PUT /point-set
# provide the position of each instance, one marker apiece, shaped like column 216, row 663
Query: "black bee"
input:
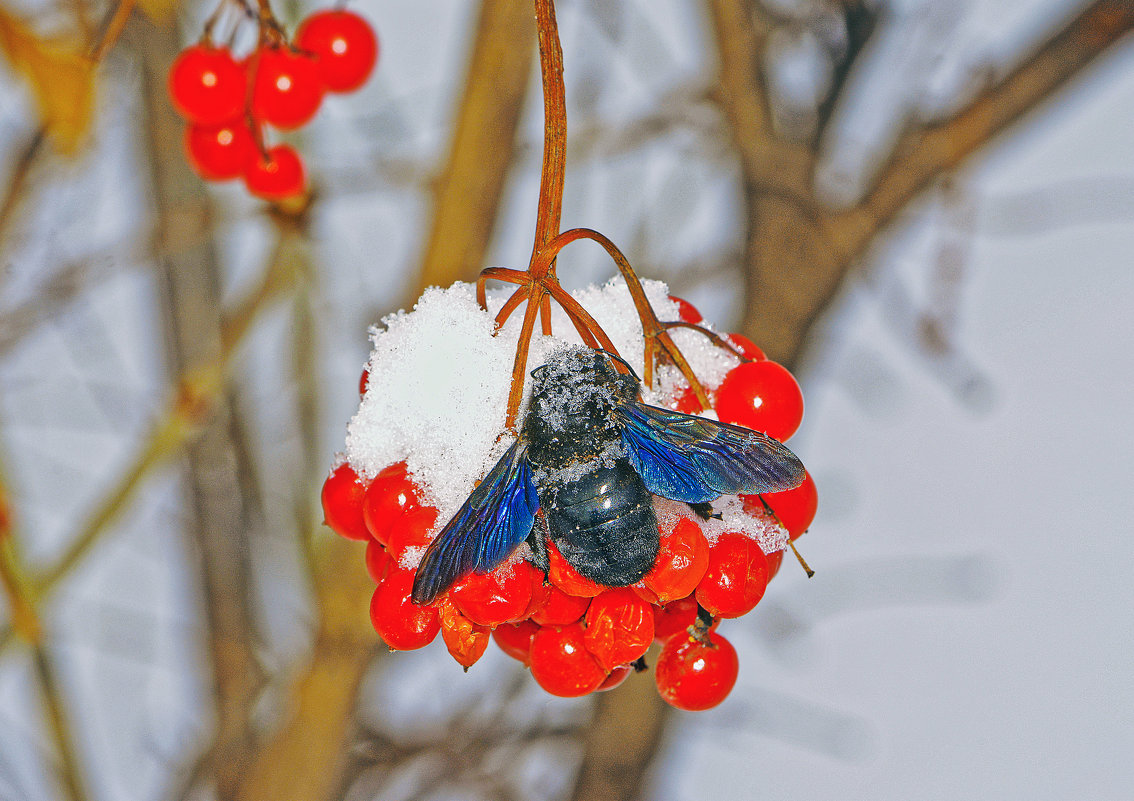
column 588, row 459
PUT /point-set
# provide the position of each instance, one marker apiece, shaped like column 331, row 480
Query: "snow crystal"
column 769, row 534
column 439, row 380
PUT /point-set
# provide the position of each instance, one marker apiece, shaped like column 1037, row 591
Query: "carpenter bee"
column 588, row 459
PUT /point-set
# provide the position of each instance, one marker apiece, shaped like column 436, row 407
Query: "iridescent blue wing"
column 692, row 459
column 495, row 519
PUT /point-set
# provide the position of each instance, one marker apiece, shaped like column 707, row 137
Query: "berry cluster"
column 228, row 102
column 577, row 636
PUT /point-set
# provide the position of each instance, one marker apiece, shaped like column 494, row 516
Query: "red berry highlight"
column 762, row 396
column 207, row 86
column 562, row 665
column 287, row 89
column 736, row 577
column 344, row 47
column 219, row 152
column 693, row 676
column 402, row 624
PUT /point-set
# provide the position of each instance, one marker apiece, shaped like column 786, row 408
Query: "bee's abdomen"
column 604, row 524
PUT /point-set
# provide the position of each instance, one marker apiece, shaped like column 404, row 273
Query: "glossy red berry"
column 502, row 596
column 736, row 577
column 515, row 639
column 465, row 640
column 775, row 559
column 681, row 562
column 567, row 578
column 342, row 496
column 206, row 85
column 687, row 311
column 794, row 508
column 391, row 494
column 619, row 627
column 344, row 46
column 747, row 347
column 287, row 89
column 363, row 380
column 410, row 535
column 219, row 152
column 553, row 607
column 763, row 396
column 402, row 624
column 276, row 175
column 377, row 560
column 562, row 665
column 693, row 676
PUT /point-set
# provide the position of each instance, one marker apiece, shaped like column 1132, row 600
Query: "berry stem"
column 550, row 208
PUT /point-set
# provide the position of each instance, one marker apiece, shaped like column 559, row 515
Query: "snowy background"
column 968, row 633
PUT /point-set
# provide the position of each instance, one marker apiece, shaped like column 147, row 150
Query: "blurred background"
column 925, row 209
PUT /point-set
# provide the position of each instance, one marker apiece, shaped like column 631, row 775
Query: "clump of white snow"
column 768, row 532
column 439, row 380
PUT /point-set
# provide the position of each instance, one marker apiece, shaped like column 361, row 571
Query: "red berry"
column 616, row 677
column 276, row 175
column 391, row 494
column 502, row 596
column 402, row 624
column 681, row 562
column 561, row 664
column 686, row 310
column 736, row 577
column 567, row 578
column 377, row 560
column 794, row 508
column 763, row 396
column 465, row 640
column 342, row 503
column 687, row 401
column 287, row 89
column 206, row 85
column 219, row 152
column 344, row 46
column 674, row 618
column 413, row 530
column 553, row 607
column 747, row 347
column 694, row 676
column 620, row 627
column 363, row 380
column 775, row 559
column 515, row 639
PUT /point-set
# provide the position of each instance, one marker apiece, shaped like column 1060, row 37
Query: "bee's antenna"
column 619, row 359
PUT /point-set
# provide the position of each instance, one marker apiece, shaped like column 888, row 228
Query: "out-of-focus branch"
column 469, row 190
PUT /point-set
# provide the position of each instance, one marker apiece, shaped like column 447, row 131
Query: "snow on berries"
column 230, row 101
column 432, row 424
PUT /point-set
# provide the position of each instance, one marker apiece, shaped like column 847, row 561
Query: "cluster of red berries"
column 228, row 102
column 577, row 636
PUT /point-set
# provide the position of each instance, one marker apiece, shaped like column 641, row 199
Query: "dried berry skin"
column 693, row 676
column 681, row 564
column 402, row 624
column 562, row 665
column 619, row 627
column 342, row 497
column 465, row 640
column 553, row 607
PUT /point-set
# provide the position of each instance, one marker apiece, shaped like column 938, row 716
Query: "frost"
column 769, row 534
column 439, row 380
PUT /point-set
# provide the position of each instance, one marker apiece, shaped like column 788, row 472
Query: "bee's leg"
column 537, row 541
column 704, row 510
